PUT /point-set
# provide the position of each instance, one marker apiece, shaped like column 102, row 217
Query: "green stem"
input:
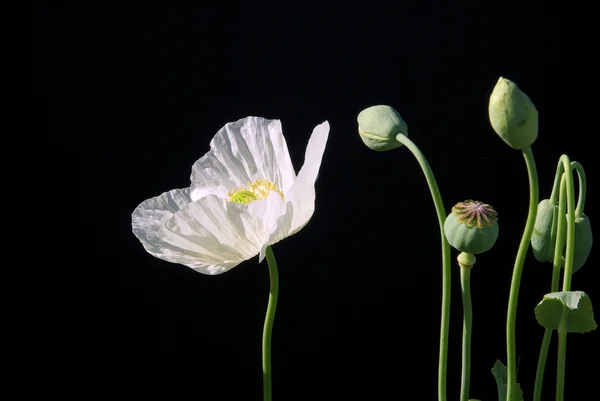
column 561, row 232
column 560, row 365
column 570, row 249
column 511, row 350
column 582, row 188
column 560, row 237
column 541, row 366
column 557, row 182
column 446, row 288
column 465, row 284
column 268, row 327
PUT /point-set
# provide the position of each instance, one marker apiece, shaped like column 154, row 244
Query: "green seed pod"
column 513, row 115
column 543, row 239
column 472, row 227
column 583, row 242
column 378, row 127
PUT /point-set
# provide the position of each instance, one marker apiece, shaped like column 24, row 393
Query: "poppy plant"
column 244, row 197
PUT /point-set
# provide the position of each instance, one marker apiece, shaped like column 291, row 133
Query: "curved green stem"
column 560, row 237
column 465, row 284
column 570, row 249
column 511, row 350
column 446, row 288
column 582, row 188
column 561, row 232
column 268, row 327
column 557, row 182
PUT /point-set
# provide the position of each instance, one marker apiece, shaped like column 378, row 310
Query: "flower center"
column 473, row 213
column 256, row 190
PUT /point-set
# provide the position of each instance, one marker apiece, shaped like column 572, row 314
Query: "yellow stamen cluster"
column 256, row 190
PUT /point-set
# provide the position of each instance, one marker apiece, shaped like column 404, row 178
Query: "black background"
column 129, row 95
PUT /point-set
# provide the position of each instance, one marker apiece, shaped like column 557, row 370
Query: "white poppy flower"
column 244, row 196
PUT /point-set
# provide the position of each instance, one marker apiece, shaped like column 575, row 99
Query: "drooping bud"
column 543, row 238
column 513, row 115
column 583, row 242
column 472, row 227
column 378, row 127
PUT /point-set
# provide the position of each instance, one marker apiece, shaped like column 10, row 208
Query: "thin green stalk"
column 557, row 263
column 539, row 373
column 561, row 233
column 557, row 181
column 268, row 327
column 511, row 349
column 582, row 188
column 570, row 248
column 560, row 366
column 441, row 213
column 465, row 285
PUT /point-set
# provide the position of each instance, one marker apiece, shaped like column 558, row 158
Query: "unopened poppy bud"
column 543, row 238
column 378, row 127
column 513, row 115
column 583, row 242
column 472, row 227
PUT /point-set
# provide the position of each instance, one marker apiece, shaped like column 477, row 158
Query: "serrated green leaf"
column 499, row 372
column 570, row 311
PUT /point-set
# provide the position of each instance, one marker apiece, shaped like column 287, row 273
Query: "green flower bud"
column 513, row 115
column 543, row 239
column 583, row 242
column 378, row 127
column 472, row 227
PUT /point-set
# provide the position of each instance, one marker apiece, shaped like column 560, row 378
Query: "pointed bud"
column 513, row 115
column 378, row 127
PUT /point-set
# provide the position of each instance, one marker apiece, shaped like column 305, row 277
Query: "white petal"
column 300, row 199
column 268, row 212
column 211, row 177
column 243, row 151
column 218, row 234
column 282, row 227
column 150, row 216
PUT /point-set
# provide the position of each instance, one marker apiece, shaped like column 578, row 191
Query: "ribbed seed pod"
column 472, row 227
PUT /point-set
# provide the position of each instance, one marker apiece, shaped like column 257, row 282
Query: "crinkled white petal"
column 148, row 218
column 249, row 149
column 267, row 212
column 302, row 193
column 300, row 198
column 219, row 234
column 282, row 227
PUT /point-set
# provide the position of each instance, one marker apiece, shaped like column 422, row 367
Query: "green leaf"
column 499, row 372
column 569, row 311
